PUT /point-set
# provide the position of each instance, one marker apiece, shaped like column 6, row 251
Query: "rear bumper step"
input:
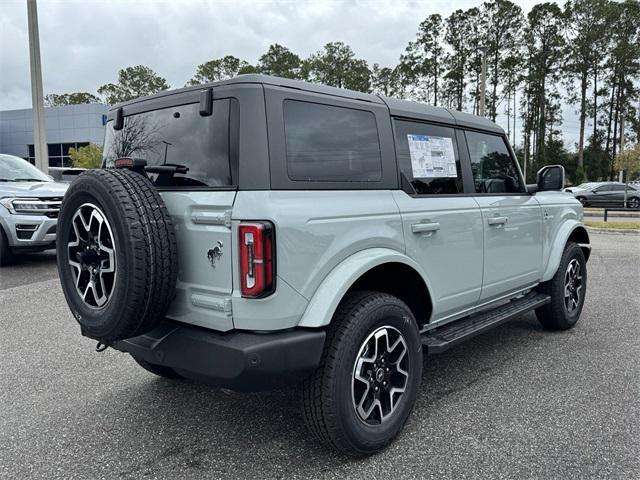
column 243, row 361
column 443, row 338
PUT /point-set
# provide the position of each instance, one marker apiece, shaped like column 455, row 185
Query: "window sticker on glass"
column 432, row 157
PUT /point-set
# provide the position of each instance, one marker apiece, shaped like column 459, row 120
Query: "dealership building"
column 67, row 126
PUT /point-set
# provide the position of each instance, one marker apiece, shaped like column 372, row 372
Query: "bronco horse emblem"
column 215, row 253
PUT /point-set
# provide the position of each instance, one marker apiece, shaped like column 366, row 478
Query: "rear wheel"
column 159, row 370
column 365, row 388
column 567, row 290
column 6, row 256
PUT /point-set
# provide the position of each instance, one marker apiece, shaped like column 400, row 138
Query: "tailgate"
column 202, row 223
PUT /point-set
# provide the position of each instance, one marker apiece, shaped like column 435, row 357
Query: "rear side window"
column 428, row 157
column 494, row 169
column 180, row 135
column 326, row 143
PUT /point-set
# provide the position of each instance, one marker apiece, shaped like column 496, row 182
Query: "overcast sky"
column 84, row 43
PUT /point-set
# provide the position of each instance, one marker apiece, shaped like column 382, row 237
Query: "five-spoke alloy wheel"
column 567, row 290
column 572, row 285
column 92, row 257
column 116, row 254
column 366, row 385
column 380, row 375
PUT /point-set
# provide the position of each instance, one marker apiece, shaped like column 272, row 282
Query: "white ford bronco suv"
column 259, row 231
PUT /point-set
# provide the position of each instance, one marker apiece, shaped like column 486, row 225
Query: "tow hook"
column 101, row 347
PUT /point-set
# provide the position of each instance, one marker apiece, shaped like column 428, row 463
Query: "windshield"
column 16, row 169
column 179, row 135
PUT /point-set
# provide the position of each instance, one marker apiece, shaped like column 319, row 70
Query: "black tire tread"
column 316, row 397
column 552, row 315
column 153, row 252
column 6, row 256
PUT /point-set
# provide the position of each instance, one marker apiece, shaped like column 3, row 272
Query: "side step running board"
column 441, row 339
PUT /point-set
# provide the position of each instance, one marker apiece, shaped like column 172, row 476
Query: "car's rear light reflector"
column 257, row 265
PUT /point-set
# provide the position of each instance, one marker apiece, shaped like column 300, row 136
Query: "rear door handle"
column 425, row 227
column 494, row 221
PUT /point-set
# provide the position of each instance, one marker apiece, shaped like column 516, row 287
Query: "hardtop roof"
column 399, row 108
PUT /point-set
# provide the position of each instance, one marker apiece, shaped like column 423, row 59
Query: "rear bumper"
column 242, row 361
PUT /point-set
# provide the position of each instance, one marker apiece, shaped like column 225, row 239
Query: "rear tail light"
column 257, row 259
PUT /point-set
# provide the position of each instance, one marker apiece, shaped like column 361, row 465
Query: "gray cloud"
column 85, row 43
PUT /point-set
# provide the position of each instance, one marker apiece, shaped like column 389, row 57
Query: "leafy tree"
column 587, row 25
column 384, row 80
column 474, row 60
column 281, row 62
column 422, row 64
column 624, row 70
column 596, row 160
column 220, row 69
column 629, row 162
column 512, row 67
column 541, row 100
column 133, row 82
column 75, row 98
column 502, row 22
column 429, row 41
column 412, row 83
column 336, row 65
column 86, row 157
column 457, row 36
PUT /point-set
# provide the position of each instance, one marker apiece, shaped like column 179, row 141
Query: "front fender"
column 561, row 238
column 325, row 300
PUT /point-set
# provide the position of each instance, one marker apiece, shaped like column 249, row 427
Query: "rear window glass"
column 331, row 144
column 180, row 135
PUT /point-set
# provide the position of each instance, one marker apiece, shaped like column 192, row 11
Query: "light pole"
column 37, row 98
column 483, row 81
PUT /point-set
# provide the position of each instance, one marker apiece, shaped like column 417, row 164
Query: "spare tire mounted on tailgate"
column 117, row 257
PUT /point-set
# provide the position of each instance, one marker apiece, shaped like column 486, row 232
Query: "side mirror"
column 550, row 178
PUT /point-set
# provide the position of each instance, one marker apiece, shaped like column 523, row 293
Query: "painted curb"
column 613, row 231
column 613, row 215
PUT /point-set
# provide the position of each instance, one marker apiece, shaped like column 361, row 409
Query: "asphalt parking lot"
column 517, row 402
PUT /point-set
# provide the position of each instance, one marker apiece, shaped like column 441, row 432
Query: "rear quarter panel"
column 315, row 231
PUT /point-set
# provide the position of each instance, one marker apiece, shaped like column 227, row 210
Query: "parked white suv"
column 261, row 231
column 29, row 206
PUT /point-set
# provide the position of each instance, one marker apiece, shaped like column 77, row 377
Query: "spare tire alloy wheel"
column 116, row 253
column 380, row 375
column 92, row 256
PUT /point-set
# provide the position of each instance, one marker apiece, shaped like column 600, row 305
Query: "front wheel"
column 583, row 201
column 6, row 256
column 567, row 290
column 365, row 388
column 634, row 203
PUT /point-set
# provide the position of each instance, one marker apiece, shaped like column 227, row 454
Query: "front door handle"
column 495, row 221
column 425, row 227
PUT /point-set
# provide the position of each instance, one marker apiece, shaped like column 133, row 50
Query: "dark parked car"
column 606, row 194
